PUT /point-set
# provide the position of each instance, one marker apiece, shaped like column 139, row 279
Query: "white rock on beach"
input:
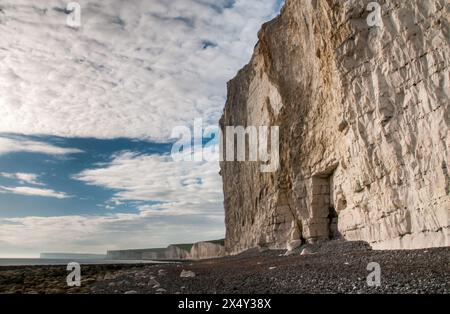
column 161, row 272
column 306, row 251
column 187, row 274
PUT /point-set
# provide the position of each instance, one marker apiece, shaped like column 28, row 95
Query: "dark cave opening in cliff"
column 323, row 205
column 333, row 232
column 333, row 216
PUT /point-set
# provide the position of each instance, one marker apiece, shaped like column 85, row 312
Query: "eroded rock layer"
column 364, row 116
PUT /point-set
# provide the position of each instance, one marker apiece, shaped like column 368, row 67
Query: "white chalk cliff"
column 364, row 115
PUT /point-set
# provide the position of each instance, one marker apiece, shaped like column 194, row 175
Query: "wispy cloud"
column 29, row 178
column 180, row 187
column 10, row 145
column 30, row 191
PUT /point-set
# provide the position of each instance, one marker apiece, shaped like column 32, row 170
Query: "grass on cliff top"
column 188, row 246
column 220, row 241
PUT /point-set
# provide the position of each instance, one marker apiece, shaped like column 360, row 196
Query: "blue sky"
column 57, row 172
column 86, row 117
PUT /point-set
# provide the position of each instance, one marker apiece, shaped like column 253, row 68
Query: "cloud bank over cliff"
column 133, row 69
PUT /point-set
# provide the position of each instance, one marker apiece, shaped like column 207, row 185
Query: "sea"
column 45, row 262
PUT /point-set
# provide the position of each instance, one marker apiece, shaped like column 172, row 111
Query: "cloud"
column 30, row 191
column 29, row 178
column 179, row 187
column 134, row 69
column 10, row 145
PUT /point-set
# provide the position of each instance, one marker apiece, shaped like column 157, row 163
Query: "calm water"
column 43, row 261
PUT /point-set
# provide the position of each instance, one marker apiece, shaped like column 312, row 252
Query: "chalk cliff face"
column 196, row 251
column 172, row 252
column 205, row 250
column 364, row 116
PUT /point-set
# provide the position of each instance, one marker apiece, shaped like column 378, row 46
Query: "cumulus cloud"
column 179, row 187
column 134, row 68
column 30, row 191
column 10, row 145
column 29, row 178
